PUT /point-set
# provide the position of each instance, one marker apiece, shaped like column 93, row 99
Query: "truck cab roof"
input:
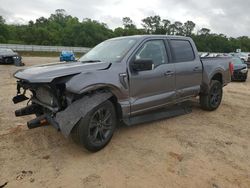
column 153, row 37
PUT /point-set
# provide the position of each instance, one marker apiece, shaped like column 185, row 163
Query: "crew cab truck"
column 120, row 80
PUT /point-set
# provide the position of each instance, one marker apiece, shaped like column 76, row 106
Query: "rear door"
column 188, row 68
column 154, row 88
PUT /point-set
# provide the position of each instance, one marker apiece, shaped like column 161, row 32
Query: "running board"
column 172, row 111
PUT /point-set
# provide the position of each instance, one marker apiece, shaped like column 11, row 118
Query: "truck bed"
column 222, row 68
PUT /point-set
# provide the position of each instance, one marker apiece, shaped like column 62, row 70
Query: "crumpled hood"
column 47, row 72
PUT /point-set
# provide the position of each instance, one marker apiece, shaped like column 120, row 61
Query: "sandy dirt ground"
column 200, row 149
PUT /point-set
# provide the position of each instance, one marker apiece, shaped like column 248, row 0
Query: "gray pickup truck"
column 125, row 79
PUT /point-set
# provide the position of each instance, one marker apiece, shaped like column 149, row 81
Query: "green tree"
column 165, row 27
column 152, row 24
column 129, row 28
column 128, row 23
column 188, row 28
column 2, row 20
column 178, row 28
column 204, row 31
column 63, row 29
column 3, row 31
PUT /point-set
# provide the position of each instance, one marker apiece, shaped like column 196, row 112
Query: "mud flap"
column 68, row 118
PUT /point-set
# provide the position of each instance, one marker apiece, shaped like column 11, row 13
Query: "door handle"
column 169, row 73
column 196, row 69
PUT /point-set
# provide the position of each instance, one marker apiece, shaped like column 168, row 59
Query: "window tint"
column 182, row 50
column 154, row 50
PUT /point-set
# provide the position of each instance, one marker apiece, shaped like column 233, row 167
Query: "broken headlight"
column 44, row 95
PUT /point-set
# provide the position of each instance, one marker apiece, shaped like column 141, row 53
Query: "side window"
column 182, row 50
column 154, row 50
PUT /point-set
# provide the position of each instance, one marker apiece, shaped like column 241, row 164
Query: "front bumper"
column 11, row 59
column 43, row 119
column 62, row 119
column 240, row 75
column 68, row 58
column 44, row 112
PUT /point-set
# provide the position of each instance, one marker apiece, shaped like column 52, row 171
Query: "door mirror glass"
column 142, row 65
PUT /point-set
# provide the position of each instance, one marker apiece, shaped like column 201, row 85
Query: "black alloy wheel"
column 95, row 130
column 215, row 95
column 211, row 101
column 100, row 126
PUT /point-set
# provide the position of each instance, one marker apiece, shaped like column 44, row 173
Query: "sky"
column 230, row 17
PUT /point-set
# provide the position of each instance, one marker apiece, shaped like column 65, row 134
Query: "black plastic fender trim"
column 68, row 118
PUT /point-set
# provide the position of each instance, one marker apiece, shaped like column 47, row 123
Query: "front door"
column 153, row 88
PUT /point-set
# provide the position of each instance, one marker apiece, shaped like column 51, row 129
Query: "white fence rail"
column 39, row 48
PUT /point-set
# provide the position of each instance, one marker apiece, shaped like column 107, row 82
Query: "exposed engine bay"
column 53, row 105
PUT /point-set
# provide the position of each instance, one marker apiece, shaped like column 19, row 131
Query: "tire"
column 212, row 100
column 95, row 130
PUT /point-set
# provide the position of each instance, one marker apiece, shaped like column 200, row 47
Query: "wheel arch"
column 206, row 85
column 217, row 76
column 108, row 88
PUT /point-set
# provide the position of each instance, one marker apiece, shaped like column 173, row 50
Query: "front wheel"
column 212, row 100
column 95, row 130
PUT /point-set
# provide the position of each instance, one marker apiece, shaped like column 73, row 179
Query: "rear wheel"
column 212, row 100
column 95, row 130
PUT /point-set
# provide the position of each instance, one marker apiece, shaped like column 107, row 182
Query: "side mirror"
column 142, row 65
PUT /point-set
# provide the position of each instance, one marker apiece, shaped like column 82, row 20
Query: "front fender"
column 68, row 118
column 91, row 81
column 113, row 89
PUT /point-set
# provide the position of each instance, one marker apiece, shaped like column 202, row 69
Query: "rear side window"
column 182, row 50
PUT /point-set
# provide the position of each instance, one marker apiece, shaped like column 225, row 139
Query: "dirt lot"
column 201, row 149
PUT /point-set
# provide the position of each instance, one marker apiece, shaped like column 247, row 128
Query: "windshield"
column 67, row 52
column 109, row 51
column 6, row 51
column 237, row 61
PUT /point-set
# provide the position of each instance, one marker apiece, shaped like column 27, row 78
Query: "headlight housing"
column 245, row 70
column 44, row 95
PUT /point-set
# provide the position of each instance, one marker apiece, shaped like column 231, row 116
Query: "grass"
column 44, row 54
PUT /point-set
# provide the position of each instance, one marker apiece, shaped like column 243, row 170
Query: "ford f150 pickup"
column 120, row 80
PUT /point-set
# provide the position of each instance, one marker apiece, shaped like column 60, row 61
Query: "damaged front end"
column 45, row 101
column 53, row 105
